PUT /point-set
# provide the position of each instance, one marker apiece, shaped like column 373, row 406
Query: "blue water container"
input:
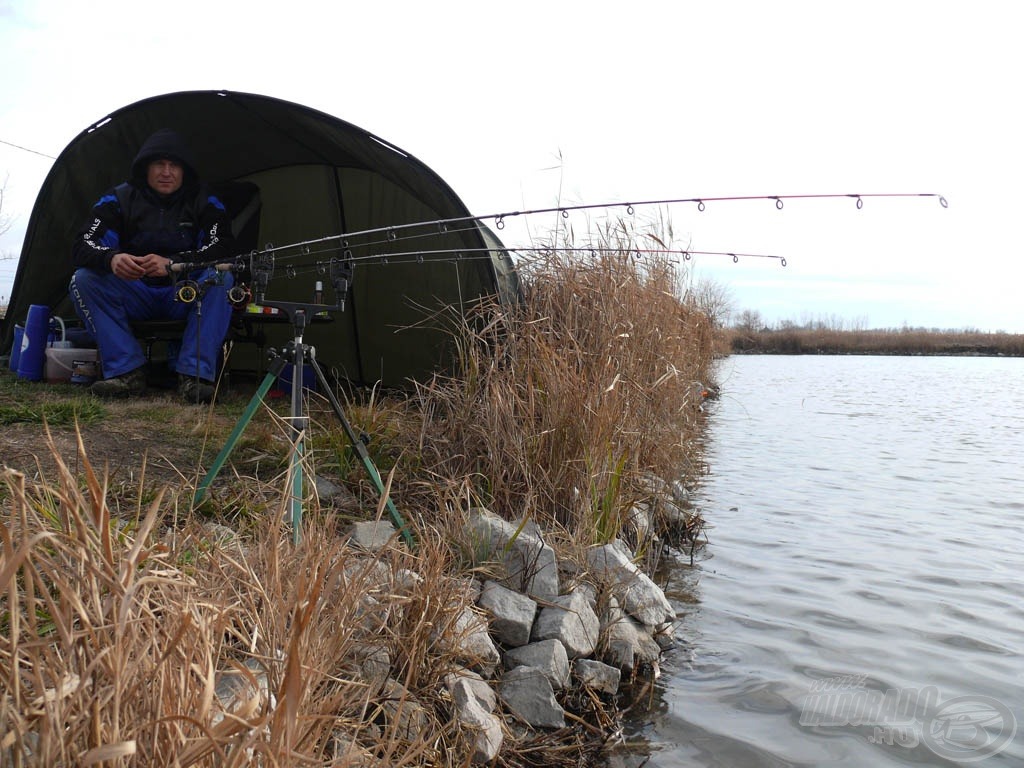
column 33, row 343
column 19, row 334
column 309, row 380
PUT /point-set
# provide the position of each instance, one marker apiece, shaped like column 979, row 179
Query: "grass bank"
column 123, row 609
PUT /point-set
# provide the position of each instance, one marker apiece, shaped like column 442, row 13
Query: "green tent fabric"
column 318, row 177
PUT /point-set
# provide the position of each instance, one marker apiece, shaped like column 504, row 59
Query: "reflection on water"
column 861, row 601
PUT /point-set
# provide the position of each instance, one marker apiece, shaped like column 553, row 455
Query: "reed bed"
column 567, row 406
column 150, row 633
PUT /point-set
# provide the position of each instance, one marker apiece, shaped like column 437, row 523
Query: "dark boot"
column 194, row 390
column 126, row 385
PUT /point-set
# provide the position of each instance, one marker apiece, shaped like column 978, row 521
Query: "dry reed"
column 564, row 407
column 117, row 639
column 121, row 629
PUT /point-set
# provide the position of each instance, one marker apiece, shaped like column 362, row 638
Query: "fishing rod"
column 261, row 264
column 458, row 255
column 442, row 225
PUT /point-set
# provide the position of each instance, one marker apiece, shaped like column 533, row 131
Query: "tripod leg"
column 360, row 448
column 272, row 372
column 299, row 425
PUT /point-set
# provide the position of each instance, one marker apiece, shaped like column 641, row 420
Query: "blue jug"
column 33, row 343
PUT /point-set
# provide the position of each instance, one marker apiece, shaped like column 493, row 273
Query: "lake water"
column 861, row 598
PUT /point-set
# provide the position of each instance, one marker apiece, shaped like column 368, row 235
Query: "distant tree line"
column 837, row 336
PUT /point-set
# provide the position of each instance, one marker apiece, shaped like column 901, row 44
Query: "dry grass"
column 565, row 407
column 115, row 638
column 121, row 622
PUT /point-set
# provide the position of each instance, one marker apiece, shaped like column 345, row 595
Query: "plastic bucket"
column 33, row 343
column 86, row 367
column 19, row 334
column 71, row 364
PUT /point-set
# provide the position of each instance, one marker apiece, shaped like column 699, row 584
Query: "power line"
column 26, row 149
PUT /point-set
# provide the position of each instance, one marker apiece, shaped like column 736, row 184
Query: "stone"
column 625, row 643
column 372, row 535
column 548, row 656
column 474, row 706
column 469, row 638
column 406, row 717
column 531, row 565
column 597, row 675
column 464, row 684
column 371, row 663
column 570, row 620
column 527, row 693
column 245, row 688
column 511, row 613
column 639, row 596
column 331, row 493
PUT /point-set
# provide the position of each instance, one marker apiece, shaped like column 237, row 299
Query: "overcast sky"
column 533, row 104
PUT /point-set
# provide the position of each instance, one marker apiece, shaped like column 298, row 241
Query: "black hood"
column 169, row 144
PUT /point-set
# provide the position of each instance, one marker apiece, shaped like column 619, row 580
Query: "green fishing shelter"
column 328, row 188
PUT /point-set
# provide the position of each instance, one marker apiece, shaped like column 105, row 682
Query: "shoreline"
column 909, row 342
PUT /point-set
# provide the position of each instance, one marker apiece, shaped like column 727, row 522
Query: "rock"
column 511, row 613
column 474, row 705
column 346, row 751
column 334, row 494
column 406, row 581
column 372, row 535
column 241, row 688
column 465, row 683
column 527, row 692
column 371, row 664
column 548, row 656
column 405, row 716
column 639, row 519
column 531, row 564
column 570, row 620
column 626, row 644
column 594, row 674
column 469, row 639
column 639, row 596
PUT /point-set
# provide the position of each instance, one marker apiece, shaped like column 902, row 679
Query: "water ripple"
column 879, row 547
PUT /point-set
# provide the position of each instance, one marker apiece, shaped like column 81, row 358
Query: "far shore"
column 904, row 341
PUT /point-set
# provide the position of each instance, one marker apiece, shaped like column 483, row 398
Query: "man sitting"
column 163, row 214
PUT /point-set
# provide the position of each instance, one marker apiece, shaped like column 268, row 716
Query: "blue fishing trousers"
column 108, row 304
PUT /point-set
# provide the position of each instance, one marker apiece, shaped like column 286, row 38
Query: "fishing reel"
column 187, row 291
column 239, row 296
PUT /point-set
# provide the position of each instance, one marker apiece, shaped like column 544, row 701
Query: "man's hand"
column 129, row 267
column 154, row 266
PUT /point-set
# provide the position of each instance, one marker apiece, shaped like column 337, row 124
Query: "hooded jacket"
column 188, row 225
